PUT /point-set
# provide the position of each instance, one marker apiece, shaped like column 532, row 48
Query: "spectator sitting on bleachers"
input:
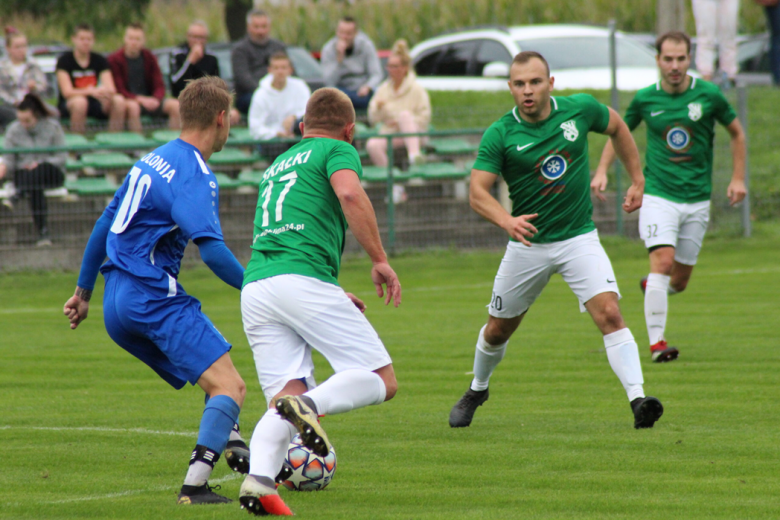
column 278, row 103
column 251, row 56
column 350, row 63
column 18, row 76
column 400, row 105
column 192, row 61
column 138, row 79
column 86, row 85
column 36, row 172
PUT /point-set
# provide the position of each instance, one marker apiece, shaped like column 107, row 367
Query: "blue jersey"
column 169, row 197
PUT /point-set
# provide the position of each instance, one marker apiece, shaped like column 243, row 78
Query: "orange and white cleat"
column 261, row 500
column 661, row 352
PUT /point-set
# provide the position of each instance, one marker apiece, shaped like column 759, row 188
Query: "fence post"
column 390, row 200
column 615, row 102
column 743, row 118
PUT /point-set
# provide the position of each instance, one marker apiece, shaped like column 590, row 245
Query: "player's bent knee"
column 388, row 378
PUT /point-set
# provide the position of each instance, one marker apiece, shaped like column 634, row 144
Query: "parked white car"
column 578, row 55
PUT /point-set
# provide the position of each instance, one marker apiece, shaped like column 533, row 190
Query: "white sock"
column 486, row 359
column 623, row 356
column 656, row 306
column 269, row 444
column 198, row 473
column 348, row 390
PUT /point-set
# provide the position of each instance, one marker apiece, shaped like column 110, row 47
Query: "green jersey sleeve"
column 634, row 114
column 490, row 157
column 595, row 113
column 723, row 111
column 343, row 157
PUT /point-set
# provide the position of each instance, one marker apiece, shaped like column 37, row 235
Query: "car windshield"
column 583, row 52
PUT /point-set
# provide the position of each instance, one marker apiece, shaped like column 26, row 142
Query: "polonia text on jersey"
column 276, row 168
column 158, row 163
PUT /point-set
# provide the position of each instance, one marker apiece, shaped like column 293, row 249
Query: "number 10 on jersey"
column 289, row 181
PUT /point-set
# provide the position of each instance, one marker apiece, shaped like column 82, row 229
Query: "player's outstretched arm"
column 221, row 261
column 737, row 190
column 486, row 205
column 362, row 221
column 625, row 147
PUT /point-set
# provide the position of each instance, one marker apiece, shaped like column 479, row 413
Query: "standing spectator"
column 86, row 85
column 34, row 173
column 716, row 25
column 251, row 57
column 350, row 63
column 138, row 79
column 277, row 105
column 18, row 76
column 400, row 105
column 772, row 9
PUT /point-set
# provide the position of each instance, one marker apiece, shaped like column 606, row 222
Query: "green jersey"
column 299, row 224
column 545, row 164
column 680, row 133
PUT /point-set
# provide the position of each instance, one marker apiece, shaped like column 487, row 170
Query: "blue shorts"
column 170, row 334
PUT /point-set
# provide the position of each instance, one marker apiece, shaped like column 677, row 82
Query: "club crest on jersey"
column 570, row 131
column 694, row 111
column 553, row 167
column 678, row 139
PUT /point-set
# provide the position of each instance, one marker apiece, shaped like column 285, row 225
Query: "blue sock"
column 220, row 415
column 236, row 427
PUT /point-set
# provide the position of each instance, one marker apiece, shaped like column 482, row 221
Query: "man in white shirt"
column 277, row 104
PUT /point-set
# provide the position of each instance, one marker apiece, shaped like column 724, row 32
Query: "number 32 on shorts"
column 652, row 230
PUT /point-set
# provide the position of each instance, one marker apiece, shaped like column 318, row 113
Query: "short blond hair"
column 202, row 100
column 401, row 49
column 328, row 109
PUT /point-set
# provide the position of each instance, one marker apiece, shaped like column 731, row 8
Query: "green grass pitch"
column 86, row 431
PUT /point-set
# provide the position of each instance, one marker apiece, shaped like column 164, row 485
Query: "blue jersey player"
column 169, row 197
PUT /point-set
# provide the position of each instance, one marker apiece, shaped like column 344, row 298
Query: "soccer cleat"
column 237, row 456
column 204, row 494
column 463, row 411
column 661, row 352
column 261, row 500
column 293, row 409
column 643, row 284
column 285, row 473
column 647, row 410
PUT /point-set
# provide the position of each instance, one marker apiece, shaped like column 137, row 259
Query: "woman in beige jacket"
column 400, row 105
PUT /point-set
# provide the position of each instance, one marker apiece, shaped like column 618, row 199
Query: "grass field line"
column 98, row 429
column 699, row 274
column 132, row 492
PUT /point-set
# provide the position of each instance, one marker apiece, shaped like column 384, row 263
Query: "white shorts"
column 525, row 271
column 682, row 226
column 286, row 316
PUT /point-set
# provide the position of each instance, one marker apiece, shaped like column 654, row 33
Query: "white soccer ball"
column 310, row 471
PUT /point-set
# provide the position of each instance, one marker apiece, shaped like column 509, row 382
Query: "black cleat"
column 463, row 411
column 647, row 410
column 294, row 410
column 662, row 353
column 285, row 473
column 237, row 456
column 201, row 495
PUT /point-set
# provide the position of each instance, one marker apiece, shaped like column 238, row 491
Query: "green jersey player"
column 291, row 302
column 680, row 113
column 540, row 148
